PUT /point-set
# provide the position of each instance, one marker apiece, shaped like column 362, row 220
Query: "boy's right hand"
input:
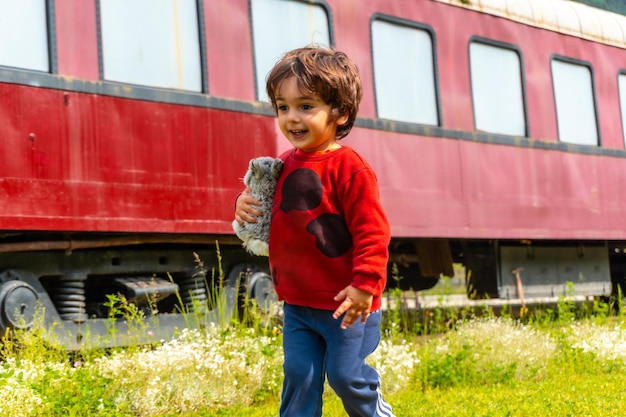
column 246, row 208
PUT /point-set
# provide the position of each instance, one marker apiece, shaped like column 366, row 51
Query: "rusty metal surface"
column 84, row 162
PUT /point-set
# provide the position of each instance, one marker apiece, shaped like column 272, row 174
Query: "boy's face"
column 305, row 119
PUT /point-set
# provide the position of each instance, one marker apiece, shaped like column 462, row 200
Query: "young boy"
column 328, row 238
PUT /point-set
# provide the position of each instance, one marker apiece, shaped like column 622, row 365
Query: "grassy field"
column 565, row 362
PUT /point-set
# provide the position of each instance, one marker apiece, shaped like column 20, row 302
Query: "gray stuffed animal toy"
column 261, row 179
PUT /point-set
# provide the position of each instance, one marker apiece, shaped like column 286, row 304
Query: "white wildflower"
column 606, row 341
column 394, row 363
column 500, row 341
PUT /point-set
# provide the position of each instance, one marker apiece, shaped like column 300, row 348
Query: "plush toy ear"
column 255, row 168
column 277, row 166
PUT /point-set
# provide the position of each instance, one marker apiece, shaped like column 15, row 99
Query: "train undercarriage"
column 118, row 290
column 510, row 269
column 87, row 289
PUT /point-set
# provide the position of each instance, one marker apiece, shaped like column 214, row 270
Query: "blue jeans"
column 316, row 347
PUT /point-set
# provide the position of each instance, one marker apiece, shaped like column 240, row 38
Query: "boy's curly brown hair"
column 325, row 72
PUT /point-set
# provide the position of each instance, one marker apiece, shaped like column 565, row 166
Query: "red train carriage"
column 496, row 129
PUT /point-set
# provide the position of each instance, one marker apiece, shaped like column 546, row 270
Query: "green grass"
column 501, row 368
column 560, row 362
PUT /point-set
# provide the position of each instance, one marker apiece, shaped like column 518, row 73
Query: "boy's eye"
column 281, row 107
column 307, row 107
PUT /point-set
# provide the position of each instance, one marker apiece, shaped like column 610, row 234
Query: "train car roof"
column 563, row 16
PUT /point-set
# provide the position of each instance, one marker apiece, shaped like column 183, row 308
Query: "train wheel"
column 18, row 303
column 251, row 294
column 261, row 291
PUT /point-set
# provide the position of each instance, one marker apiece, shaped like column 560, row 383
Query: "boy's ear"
column 340, row 119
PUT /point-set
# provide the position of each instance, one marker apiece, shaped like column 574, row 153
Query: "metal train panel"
column 438, row 187
column 464, row 188
column 98, row 163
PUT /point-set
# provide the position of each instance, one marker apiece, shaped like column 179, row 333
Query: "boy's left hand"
column 357, row 303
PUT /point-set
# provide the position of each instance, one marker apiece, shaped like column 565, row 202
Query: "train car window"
column 152, row 43
column 24, row 34
column 621, row 79
column 404, row 73
column 279, row 26
column 575, row 104
column 497, row 92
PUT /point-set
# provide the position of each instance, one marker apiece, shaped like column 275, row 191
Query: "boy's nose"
column 294, row 115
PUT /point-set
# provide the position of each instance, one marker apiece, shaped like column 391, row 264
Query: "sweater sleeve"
column 368, row 224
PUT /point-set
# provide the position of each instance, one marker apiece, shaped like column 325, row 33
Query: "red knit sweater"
column 329, row 229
